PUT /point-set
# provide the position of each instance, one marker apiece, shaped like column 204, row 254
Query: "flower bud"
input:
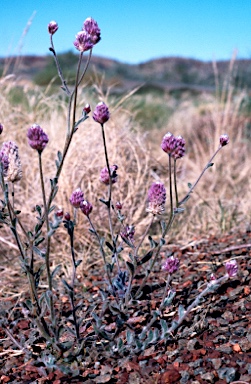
column 37, row 138
column 76, row 198
column 104, row 175
column 59, row 213
column 83, row 41
column 86, row 207
column 224, row 140
column 52, row 27
column 1, row 128
column 67, row 216
column 231, row 268
column 101, row 113
column 86, row 109
column 156, row 199
column 171, row 264
column 118, row 205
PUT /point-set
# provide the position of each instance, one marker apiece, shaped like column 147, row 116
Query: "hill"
column 163, row 74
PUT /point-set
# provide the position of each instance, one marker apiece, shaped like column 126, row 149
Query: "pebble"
column 216, row 363
column 209, row 376
column 199, row 371
column 228, row 374
column 196, row 363
column 240, row 331
column 227, row 315
column 225, row 349
column 235, row 292
column 193, row 344
column 185, row 376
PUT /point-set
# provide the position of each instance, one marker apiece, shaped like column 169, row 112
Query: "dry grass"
column 220, row 203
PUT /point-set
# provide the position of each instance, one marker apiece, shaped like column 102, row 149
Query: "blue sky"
column 132, row 31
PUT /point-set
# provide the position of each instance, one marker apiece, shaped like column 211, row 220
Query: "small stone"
column 228, row 374
column 216, row 363
column 227, row 315
column 245, row 345
column 209, row 376
column 199, row 371
column 185, row 376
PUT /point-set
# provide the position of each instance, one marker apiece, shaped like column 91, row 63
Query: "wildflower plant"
column 124, row 252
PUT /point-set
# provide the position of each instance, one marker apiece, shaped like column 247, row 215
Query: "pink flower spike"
column 101, row 113
column 156, row 199
column 171, row 265
column 83, row 41
column 168, row 143
column 37, row 138
column 231, row 268
column 86, row 207
column 92, row 28
column 76, row 198
column 104, row 175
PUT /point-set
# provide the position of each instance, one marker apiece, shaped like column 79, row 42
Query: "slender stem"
column 109, row 195
column 60, row 74
column 72, row 284
column 165, row 291
column 47, row 256
column 19, row 346
column 48, row 240
column 76, row 91
column 175, row 182
column 200, row 176
column 168, row 226
column 102, row 251
column 170, row 185
column 209, row 287
column 144, row 235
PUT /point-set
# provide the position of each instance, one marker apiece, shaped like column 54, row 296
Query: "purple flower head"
column 37, row 138
column 179, row 150
column 128, row 232
column 231, row 268
column 104, row 175
column 171, row 264
column 92, row 28
column 83, row 41
column 169, row 143
column 76, row 198
column 1, row 128
column 156, row 199
column 224, row 140
column 101, row 113
column 52, row 27
column 86, row 207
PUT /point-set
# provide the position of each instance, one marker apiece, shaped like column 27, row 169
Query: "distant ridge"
column 167, row 73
